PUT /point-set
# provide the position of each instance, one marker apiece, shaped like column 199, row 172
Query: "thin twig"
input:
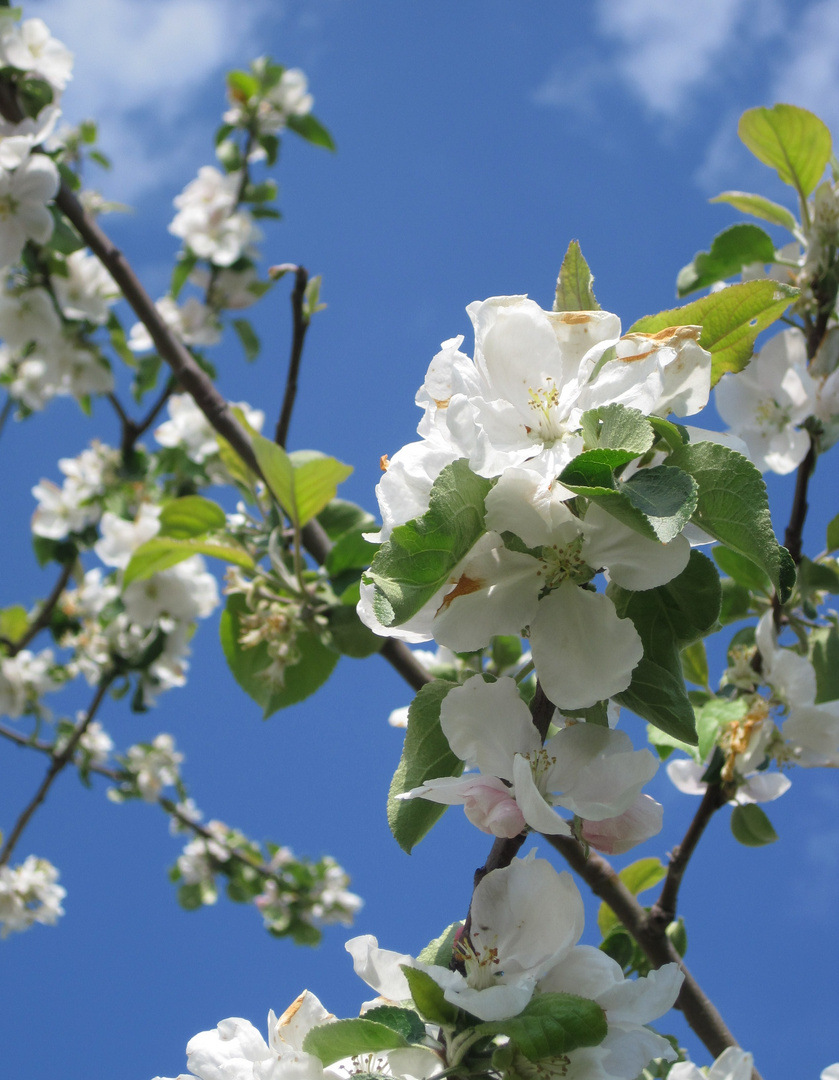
column 6, row 412
column 300, row 326
column 698, row 1009
column 798, row 513
column 59, row 761
column 664, row 909
column 45, row 613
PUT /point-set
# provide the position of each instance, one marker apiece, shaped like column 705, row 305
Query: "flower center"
column 565, row 563
column 478, row 965
column 8, row 207
column 544, row 401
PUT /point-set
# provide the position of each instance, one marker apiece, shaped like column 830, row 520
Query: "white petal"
column 633, row 561
column 538, row 814
column 640, row 1001
column 687, row 775
column 486, row 724
column 380, row 968
column 585, row 971
column 763, row 787
column 583, row 652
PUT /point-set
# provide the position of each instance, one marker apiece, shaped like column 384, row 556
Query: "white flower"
column 24, row 194
column 154, row 767
column 208, row 221
column 24, row 679
column 732, row 1064
column 183, row 592
column 18, row 140
column 27, row 317
column 289, row 97
column 591, row 771
column 812, row 733
column 765, row 403
column 87, row 291
column 616, row 835
column 30, row 47
column 188, row 427
column 120, row 538
column 194, row 323
column 29, row 893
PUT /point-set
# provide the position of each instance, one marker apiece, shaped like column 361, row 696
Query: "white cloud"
column 809, row 73
column 140, row 67
column 664, row 49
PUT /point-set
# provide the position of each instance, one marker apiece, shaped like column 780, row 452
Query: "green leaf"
column 65, row 237
column 340, row 516
column 349, row 1038
column 751, row 826
column 247, row 336
column 815, row 577
column 742, row 570
column 668, row 618
column 349, row 635
column 637, row 877
column 119, row 342
column 617, row 427
column 249, row 666
column 731, row 250
column 791, row 140
column 759, row 207
column 656, row 502
column 417, row 560
column 426, row 755
column 162, row 552
column 733, row 508
column 833, row 534
column 428, row 997
column 551, row 1025
column 184, row 266
column 242, row 84
column 404, row 1021
column 439, row 951
column 574, row 285
column 505, row 652
column 736, row 602
column 695, row 663
column 311, row 130
column 191, row 515
column 303, row 484
column 14, row 622
column 730, row 319
column 824, row 656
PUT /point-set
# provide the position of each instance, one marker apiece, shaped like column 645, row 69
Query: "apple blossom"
column 24, row 679
column 29, row 893
column 193, row 322
column 732, row 1064
column 188, row 427
column 208, row 221
column 30, row 47
column 766, row 403
column 24, row 194
column 87, row 290
column 591, row 771
column 150, row 767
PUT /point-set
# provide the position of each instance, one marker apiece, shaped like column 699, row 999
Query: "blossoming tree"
column 556, row 531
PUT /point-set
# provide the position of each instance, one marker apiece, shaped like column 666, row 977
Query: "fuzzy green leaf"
column 731, row 250
column 791, row 140
column 758, row 207
column 551, row 1025
column 574, row 285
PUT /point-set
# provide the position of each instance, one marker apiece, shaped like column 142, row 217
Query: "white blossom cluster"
column 24, row 679
column 209, row 219
column 270, row 110
column 514, row 414
column 150, row 767
column 29, row 894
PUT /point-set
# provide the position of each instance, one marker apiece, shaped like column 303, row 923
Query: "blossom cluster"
column 29, row 894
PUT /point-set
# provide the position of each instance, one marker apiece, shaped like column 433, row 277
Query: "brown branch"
column 698, row 1009
column 664, row 909
column 798, row 513
column 59, row 761
column 301, row 325
column 44, row 615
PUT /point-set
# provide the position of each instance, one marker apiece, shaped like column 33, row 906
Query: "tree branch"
column 664, row 909
column 301, row 325
column 698, row 1009
column 45, row 613
column 59, row 761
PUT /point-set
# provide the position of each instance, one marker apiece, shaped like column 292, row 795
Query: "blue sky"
column 474, row 141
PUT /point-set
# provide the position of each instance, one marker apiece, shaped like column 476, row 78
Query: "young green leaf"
column 824, row 656
column 574, row 285
column 429, row 999
column 439, row 951
column 742, row 570
column 730, row 319
column 191, row 515
column 350, row 1038
column 551, row 1025
column 617, row 427
column 791, row 140
column 695, row 663
column 731, row 250
column 311, row 130
column 637, row 877
column 426, row 755
column 248, row 337
column 751, row 826
column 162, row 552
column 758, row 207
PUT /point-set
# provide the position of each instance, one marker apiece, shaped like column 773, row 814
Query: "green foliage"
column 250, row 666
column 732, row 249
column 790, row 140
column 163, row 552
column 348, row 1038
column 751, row 826
column 742, row 570
column 429, row 999
column 312, row 130
column 824, row 656
column 439, row 951
column 426, row 755
column 551, row 1025
column 184, row 265
column 712, row 717
column 833, row 534
column 758, row 207
column 574, row 285
column 189, row 516
column 617, row 427
column 248, row 337
column 695, row 663
column 404, row 1021
column 733, row 508
column 668, row 618
column 303, row 483
column 420, row 555
column 730, row 319
column 14, row 622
